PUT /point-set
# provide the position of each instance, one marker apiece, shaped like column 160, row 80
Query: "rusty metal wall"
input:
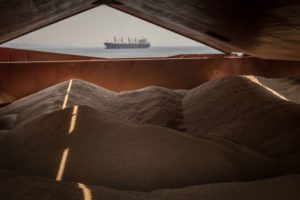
column 13, row 55
column 22, row 78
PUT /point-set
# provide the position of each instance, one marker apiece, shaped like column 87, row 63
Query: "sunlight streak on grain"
column 67, row 94
column 87, row 194
column 65, row 155
column 73, row 119
column 62, row 165
column 255, row 80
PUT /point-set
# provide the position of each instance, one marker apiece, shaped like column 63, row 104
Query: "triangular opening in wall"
column 86, row 34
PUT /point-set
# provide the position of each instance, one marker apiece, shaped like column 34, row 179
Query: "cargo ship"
column 129, row 44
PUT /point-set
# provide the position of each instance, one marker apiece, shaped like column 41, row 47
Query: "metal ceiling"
column 266, row 29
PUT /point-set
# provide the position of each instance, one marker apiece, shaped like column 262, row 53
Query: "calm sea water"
column 132, row 53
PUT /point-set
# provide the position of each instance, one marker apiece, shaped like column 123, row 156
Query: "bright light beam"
column 87, row 194
column 73, row 120
column 62, row 165
column 255, row 80
column 65, row 155
column 67, row 94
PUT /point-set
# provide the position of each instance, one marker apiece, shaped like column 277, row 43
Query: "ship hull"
column 125, row 46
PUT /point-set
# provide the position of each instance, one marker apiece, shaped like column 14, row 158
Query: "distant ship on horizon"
column 129, row 44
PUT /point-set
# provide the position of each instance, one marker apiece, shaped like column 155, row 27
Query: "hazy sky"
column 93, row 27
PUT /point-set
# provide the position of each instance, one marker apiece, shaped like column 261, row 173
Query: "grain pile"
column 193, row 142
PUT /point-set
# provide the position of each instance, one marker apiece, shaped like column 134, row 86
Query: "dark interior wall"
column 261, row 28
column 22, row 78
column 265, row 29
column 18, row 17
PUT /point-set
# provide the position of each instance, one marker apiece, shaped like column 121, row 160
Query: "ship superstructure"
column 130, row 43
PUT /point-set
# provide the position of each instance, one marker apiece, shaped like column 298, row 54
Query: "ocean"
column 132, row 53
